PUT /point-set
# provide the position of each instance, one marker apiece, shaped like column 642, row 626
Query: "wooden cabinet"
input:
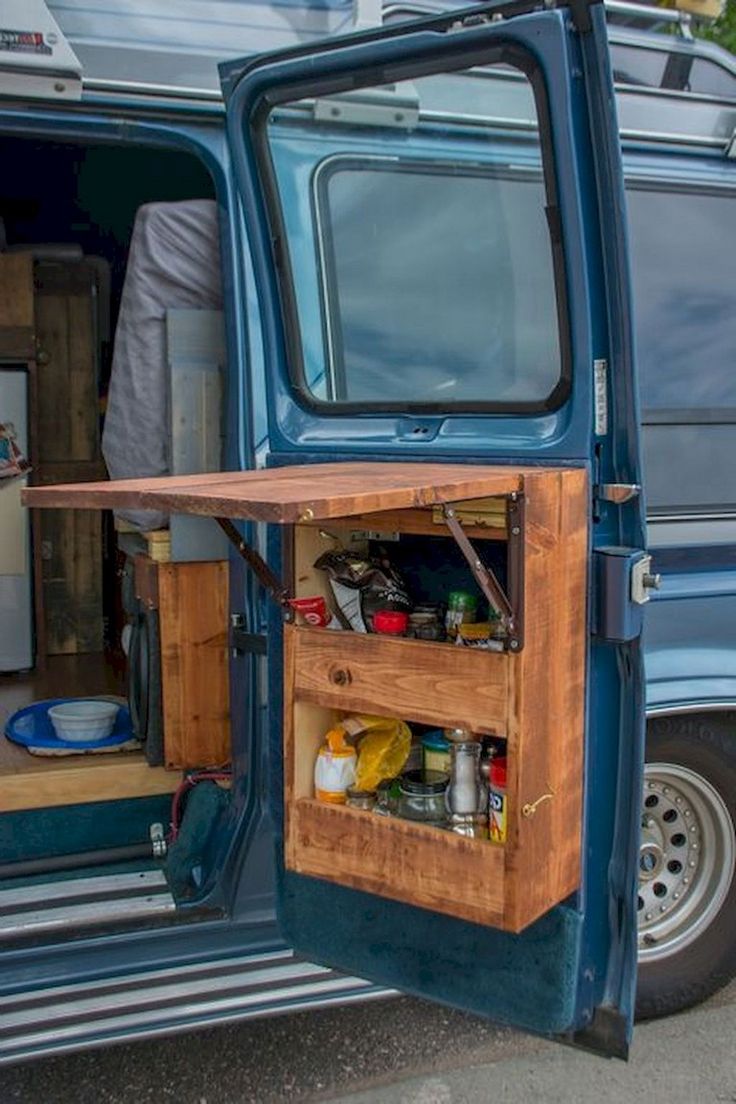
column 534, row 699
column 532, row 694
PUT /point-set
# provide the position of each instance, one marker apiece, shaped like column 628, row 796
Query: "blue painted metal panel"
column 586, row 949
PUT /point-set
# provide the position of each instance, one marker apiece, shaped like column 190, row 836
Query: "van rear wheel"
column 687, row 889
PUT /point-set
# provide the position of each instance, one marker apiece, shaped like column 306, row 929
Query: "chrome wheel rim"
column 686, row 859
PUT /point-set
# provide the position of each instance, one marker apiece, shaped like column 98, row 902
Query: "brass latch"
column 530, row 808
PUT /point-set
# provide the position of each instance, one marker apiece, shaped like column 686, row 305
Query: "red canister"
column 390, row 622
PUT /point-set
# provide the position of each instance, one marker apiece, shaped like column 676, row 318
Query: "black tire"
column 706, row 745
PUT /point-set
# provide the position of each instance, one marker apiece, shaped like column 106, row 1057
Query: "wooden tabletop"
column 289, row 494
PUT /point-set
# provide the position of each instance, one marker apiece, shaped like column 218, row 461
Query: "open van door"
column 435, row 216
column 436, row 220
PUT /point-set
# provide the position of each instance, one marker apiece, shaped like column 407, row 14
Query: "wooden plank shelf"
column 433, row 868
column 292, row 494
column 39, row 782
column 437, row 684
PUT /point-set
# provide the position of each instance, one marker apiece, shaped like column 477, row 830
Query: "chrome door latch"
column 617, row 492
column 643, row 580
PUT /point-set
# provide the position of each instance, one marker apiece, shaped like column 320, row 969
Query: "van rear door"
column 435, row 215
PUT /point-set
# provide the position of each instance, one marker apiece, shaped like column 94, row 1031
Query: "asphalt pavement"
column 400, row 1051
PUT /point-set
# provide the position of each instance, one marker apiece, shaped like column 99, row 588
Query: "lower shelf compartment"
column 38, row 782
column 399, row 859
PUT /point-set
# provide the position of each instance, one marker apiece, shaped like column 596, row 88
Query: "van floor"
column 36, row 782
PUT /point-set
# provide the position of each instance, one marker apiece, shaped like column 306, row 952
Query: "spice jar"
column 422, row 796
column 436, row 752
column 461, row 608
column 360, row 799
column 467, row 795
column 473, row 826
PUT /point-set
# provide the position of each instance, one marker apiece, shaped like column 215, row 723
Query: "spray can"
column 497, row 801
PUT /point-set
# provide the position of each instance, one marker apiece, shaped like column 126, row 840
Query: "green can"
column 462, row 608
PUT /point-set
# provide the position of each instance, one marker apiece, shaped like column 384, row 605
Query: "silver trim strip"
column 165, row 1002
column 700, row 707
column 68, row 918
column 47, row 892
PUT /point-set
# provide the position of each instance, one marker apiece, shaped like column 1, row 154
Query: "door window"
column 423, row 270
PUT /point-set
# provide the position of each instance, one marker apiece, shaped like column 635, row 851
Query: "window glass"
column 439, row 285
column 682, row 259
column 422, row 271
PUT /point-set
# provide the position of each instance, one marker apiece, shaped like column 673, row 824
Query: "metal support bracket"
column 509, row 608
column 266, row 577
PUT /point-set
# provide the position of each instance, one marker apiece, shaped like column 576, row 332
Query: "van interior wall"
column 88, row 196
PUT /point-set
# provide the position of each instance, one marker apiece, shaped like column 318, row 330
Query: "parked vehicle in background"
column 431, row 266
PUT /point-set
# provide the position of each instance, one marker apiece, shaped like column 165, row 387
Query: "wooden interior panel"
column 424, row 522
column 16, row 306
column 398, row 859
column 71, row 570
column 436, row 684
column 67, row 445
column 291, row 494
column 37, row 782
column 193, row 613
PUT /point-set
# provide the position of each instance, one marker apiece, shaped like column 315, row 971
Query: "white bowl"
column 81, row 722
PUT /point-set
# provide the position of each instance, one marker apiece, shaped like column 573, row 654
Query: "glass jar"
column 360, row 799
column 436, row 752
column 467, row 794
column 422, row 796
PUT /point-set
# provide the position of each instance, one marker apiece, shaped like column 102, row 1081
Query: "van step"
column 66, row 906
column 161, row 1002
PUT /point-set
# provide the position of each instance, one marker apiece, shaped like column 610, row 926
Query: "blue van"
column 433, row 296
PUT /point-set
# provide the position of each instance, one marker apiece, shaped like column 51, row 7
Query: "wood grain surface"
column 399, row 859
column 35, row 782
column 437, row 684
column 547, row 700
column 16, row 306
column 193, row 611
column 291, row 494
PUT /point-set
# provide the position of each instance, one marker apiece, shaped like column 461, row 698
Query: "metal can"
column 497, row 808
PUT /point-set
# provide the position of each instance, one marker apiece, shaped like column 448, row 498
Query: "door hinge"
column 508, row 604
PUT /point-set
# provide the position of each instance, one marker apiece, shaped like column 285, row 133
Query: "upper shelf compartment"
column 287, row 495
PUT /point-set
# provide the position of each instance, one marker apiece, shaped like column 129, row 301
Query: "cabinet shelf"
column 436, row 684
column 418, row 863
